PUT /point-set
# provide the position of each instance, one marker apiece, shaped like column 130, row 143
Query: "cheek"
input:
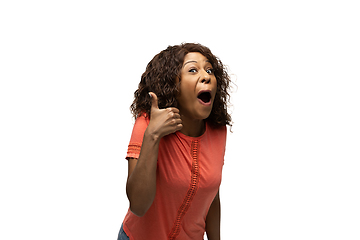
column 186, row 96
column 186, row 88
column 214, row 85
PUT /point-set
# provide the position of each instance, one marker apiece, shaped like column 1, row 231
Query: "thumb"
column 154, row 100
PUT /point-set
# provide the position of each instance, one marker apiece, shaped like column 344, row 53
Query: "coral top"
column 187, row 180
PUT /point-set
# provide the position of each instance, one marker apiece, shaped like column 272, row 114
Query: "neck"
column 192, row 127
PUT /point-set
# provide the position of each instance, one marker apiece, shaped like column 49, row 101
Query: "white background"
column 68, row 70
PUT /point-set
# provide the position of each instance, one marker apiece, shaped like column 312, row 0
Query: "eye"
column 210, row 71
column 192, row 70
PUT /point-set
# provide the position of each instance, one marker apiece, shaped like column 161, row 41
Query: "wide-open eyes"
column 209, row 71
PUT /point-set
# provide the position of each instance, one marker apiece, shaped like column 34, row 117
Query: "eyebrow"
column 189, row 62
column 194, row 62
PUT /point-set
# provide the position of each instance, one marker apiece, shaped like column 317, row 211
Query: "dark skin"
column 196, row 76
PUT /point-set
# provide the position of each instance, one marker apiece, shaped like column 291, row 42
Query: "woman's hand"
column 162, row 121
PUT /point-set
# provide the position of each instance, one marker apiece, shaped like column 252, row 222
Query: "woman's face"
column 197, row 87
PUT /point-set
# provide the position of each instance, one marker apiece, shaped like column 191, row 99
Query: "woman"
column 176, row 151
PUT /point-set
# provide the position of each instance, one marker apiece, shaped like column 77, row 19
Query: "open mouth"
column 204, row 97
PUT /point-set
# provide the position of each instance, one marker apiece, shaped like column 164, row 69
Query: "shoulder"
column 140, row 125
column 217, row 133
column 216, row 140
column 142, row 121
column 217, row 129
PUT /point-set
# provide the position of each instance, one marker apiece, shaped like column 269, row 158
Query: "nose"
column 205, row 78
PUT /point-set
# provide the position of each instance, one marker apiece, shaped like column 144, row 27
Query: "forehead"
column 195, row 56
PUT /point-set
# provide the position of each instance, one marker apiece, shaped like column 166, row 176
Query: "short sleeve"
column 137, row 135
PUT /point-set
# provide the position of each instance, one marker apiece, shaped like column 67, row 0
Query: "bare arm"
column 141, row 183
column 213, row 219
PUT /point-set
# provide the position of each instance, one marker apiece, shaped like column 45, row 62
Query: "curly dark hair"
column 160, row 77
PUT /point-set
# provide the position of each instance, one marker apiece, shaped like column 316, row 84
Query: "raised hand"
column 141, row 184
column 163, row 121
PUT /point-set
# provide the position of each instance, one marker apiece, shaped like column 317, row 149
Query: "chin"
column 203, row 115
